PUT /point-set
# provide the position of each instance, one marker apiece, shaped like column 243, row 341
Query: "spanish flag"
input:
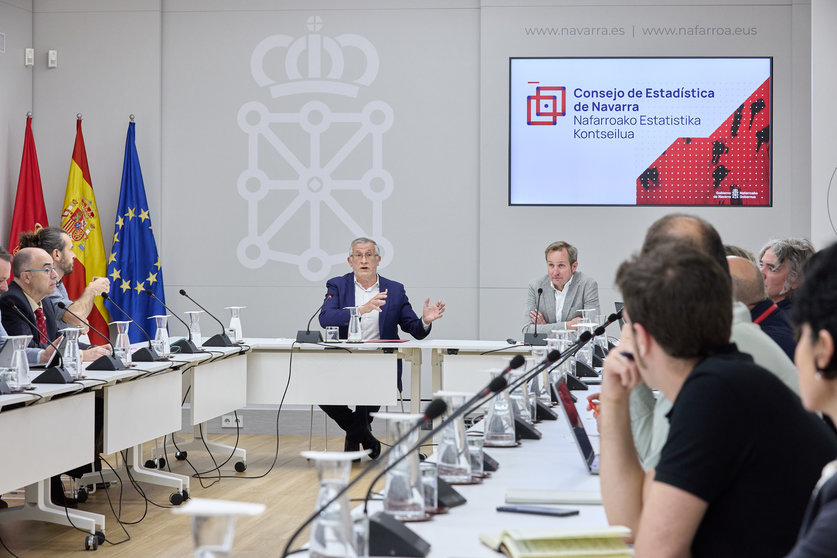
column 80, row 219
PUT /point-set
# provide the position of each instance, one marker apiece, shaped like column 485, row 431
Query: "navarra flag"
column 80, row 219
column 30, row 213
column 133, row 264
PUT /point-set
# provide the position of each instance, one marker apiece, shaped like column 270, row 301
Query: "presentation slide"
column 640, row 131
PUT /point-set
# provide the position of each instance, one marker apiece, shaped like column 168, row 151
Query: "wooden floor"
column 289, row 491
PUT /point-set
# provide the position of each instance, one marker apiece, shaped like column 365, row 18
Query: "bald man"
column 748, row 288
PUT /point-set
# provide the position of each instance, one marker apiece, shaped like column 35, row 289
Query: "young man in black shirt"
column 742, row 454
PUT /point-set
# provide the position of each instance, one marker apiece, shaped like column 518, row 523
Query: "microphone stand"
column 185, row 346
column 391, row 537
column 308, row 336
column 533, row 339
column 144, row 354
column 434, row 409
column 431, row 412
column 105, row 362
column 219, row 339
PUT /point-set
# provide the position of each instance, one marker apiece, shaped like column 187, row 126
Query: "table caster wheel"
column 161, row 462
column 176, row 498
column 181, row 455
column 91, row 542
column 150, row 464
column 185, row 494
column 81, row 495
column 100, row 536
column 240, row 466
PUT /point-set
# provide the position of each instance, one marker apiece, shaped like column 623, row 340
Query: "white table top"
column 264, row 343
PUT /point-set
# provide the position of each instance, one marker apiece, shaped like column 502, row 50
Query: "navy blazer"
column 15, row 325
column 396, row 312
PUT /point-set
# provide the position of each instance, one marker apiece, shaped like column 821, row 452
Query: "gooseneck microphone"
column 308, row 336
column 105, row 362
column 532, row 338
column 145, row 354
column 185, row 346
column 219, row 339
column 54, row 374
column 433, row 410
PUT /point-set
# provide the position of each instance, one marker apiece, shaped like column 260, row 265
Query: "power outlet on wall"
column 229, row 421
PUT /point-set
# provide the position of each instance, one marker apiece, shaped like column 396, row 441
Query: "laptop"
column 582, row 440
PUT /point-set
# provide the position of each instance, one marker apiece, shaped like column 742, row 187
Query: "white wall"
column 823, row 156
column 15, row 101
column 511, row 255
column 183, row 67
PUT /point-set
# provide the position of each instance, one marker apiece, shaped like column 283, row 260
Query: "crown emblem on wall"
column 314, row 63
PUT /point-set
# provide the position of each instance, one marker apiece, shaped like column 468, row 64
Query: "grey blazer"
column 583, row 293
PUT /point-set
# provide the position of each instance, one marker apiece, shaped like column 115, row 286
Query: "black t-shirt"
column 741, row 441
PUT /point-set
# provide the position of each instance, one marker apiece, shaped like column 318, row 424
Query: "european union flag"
column 133, row 264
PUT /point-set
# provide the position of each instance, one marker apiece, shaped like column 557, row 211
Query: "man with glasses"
column 33, row 354
column 383, row 307
column 59, row 245
column 35, row 279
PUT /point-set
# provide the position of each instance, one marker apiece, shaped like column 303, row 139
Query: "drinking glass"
column 160, row 343
column 333, row 532
column 234, row 328
column 452, row 449
column 403, row 490
column 195, row 326
column 122, row 347
column 19, row 359
column 72, row 354
column 355, row 333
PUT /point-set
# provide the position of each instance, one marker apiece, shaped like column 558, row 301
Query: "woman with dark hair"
column 815, row 317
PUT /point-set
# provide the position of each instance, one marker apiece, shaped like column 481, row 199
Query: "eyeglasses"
column 773, row 268
column 48, row 270
column 368, row 256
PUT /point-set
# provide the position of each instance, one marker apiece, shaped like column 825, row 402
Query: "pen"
column 627, row 355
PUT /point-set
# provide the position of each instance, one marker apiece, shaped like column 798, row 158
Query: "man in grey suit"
column 564, row 291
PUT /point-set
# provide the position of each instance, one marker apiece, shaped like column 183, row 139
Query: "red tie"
column 41, row 322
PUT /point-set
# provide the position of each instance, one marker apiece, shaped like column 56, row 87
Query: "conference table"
column 52, row 426
column 365, row 373
column 551, row 463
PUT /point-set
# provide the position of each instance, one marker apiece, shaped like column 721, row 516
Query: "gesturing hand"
column 432, row 313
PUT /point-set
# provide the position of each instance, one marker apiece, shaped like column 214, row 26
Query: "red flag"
column 80, row 219
column 30, row 212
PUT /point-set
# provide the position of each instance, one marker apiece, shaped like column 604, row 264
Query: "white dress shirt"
column 369, row 321
column 560, row 297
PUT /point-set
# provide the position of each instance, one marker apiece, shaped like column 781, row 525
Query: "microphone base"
column 146, row 354
column 489, row 463
column 4, row 388
column 574, row 384
column 390, row 537
column 525, row 431
column 53, row 375
column 304, row 336
column 219, row 340
column 186, row 347
column 448, row 496
column 600, row 352
column 537, row 339
column 584, row 371
column 543, row 412
column 106, row 362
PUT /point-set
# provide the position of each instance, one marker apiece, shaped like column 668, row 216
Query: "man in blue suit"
column 383, row 307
